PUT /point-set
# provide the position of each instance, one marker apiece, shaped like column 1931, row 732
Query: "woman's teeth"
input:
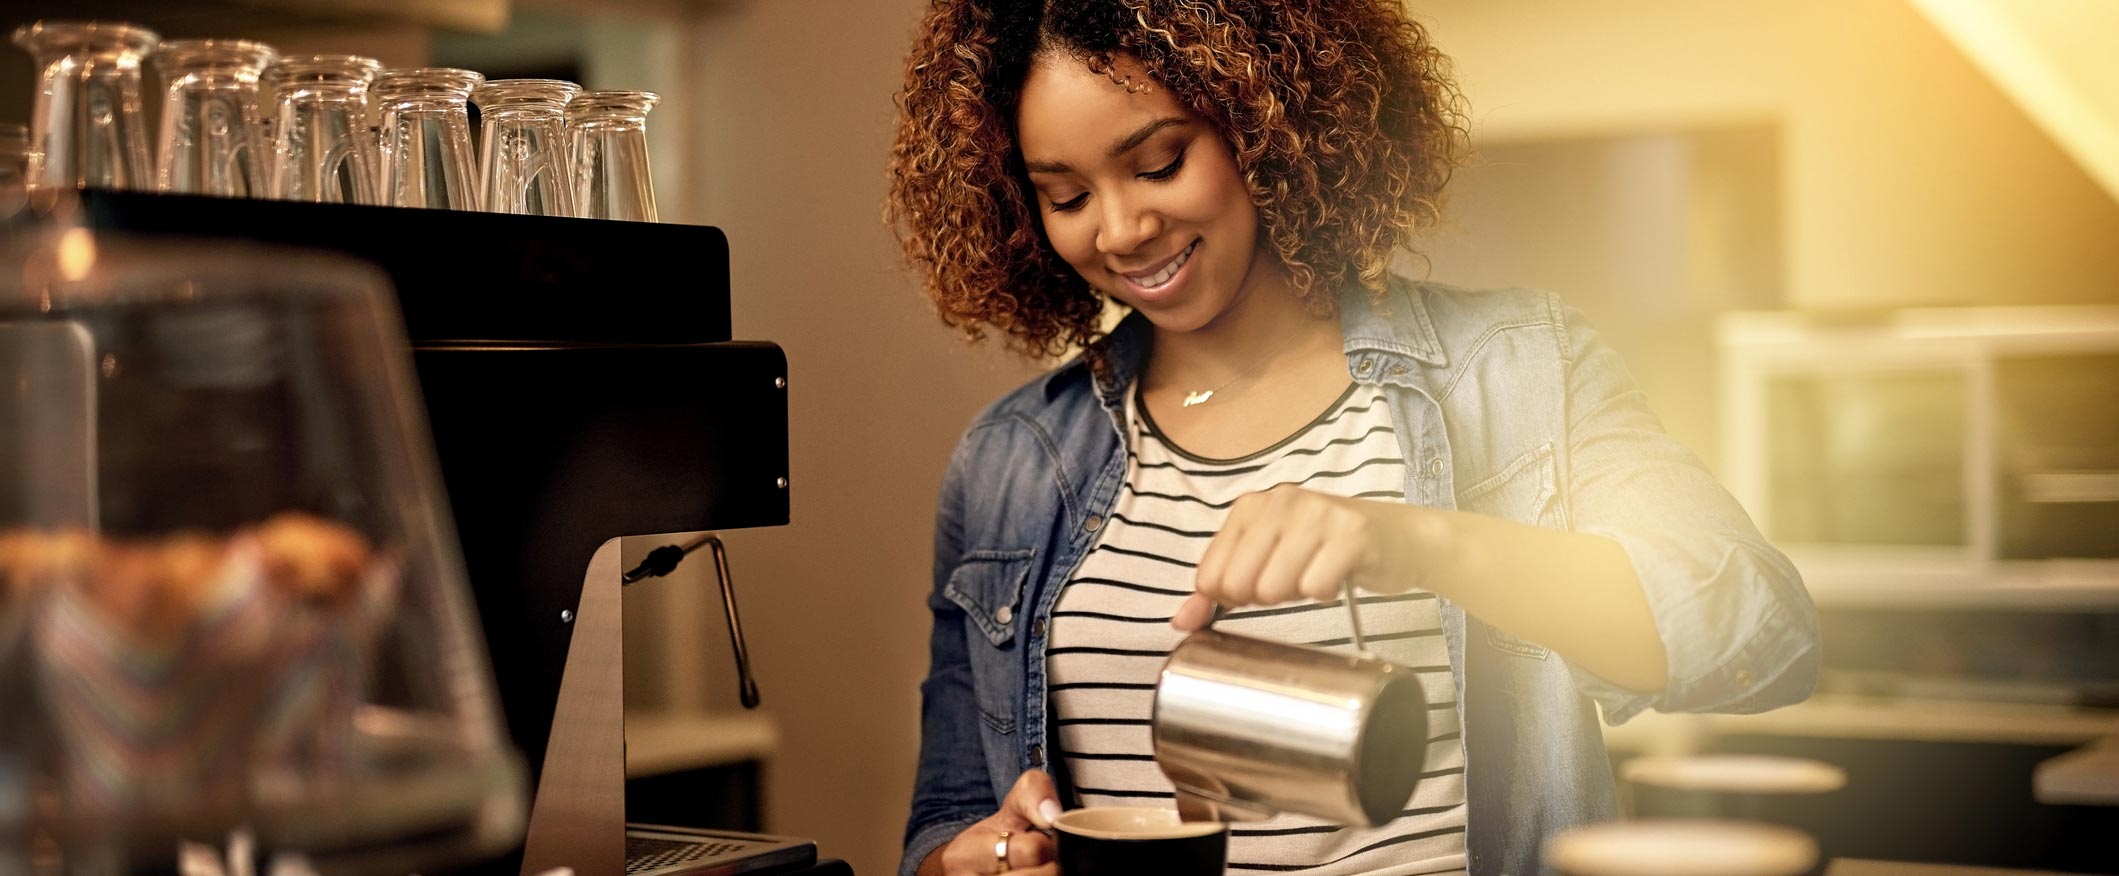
column 1169, row 270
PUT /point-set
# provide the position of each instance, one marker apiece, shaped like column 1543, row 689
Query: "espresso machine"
column 582, row 383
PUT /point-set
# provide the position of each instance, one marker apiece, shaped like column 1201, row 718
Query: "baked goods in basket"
column 188, row 670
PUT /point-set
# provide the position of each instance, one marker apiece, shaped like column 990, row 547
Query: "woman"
column 1276, row 417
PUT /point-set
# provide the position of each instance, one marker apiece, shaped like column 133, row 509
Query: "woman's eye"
column 1167, row 170
column 1071, row 204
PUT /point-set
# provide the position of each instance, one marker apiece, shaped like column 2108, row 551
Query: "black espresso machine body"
column 581, row 383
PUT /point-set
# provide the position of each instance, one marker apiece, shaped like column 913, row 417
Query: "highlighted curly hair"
column 1342, row 115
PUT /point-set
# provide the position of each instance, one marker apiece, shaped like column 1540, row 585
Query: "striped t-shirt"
column 1111, row 632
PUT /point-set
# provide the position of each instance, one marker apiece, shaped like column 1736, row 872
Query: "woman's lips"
column 1165, row 278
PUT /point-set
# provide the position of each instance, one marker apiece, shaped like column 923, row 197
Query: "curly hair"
column 1342, row 114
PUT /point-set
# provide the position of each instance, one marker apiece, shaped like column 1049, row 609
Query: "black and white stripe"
column 1111, row 633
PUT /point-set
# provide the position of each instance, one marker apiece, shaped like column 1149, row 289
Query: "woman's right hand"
column 1031, row 805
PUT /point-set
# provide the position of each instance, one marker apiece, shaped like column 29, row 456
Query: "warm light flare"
column 76, row 254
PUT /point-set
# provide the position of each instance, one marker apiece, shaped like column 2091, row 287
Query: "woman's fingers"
column 1010, row 840
column 1033, row 801
column 1280, row 576
column 1262, row 554
column 1027, row 849
column 1324, row 578
column 1194, row 614
column 994, row 846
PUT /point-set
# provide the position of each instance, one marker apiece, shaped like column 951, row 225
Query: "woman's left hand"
column 1288, row 543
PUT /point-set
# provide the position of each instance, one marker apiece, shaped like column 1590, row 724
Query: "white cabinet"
column 1931, row 458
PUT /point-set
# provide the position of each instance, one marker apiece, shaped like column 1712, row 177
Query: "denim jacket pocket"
column 988, row 585
column 1505, row 642
column 1525, row 490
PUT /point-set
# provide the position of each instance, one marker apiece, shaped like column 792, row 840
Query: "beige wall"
column 792, row 129
column 1910, row 178
column 1651, row 236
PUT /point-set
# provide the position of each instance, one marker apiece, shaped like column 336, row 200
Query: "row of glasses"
column 549, row 147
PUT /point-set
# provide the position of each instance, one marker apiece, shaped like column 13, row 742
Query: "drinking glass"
column 608, row 132
column 86, row 123
column 426, row 136
column 324, row 149
column 231, row 602
column 14, row 156
column 523, row 157
column 212, row 142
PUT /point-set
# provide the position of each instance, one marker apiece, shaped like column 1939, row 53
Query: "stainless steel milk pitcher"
column 1247, row 728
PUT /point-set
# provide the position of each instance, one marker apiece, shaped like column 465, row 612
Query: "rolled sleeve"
column 1732, row 646
column 925, row 840
column 1740, row 632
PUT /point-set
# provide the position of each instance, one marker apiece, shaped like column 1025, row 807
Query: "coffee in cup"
column 1133, row 840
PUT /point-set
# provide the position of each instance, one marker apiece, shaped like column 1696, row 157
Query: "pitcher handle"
column 1353, row 616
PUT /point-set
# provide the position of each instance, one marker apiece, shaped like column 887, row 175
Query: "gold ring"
column 1000, row 853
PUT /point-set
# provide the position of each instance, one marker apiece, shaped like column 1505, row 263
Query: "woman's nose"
column 1126, row 225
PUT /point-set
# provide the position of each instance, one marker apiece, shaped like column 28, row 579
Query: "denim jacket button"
column 1037, row 755
column 1434, row 468
column 1743, row 677
column 1094, row 523
column 1004, row 615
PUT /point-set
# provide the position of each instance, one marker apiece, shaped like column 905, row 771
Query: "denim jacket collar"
column 1373, row 326
column 1369, row 326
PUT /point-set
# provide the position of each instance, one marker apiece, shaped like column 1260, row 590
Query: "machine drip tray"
column 654, row 850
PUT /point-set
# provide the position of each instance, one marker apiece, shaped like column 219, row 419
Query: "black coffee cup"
column 1138, row 841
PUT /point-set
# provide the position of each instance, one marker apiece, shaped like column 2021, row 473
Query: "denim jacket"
column 1505, row 403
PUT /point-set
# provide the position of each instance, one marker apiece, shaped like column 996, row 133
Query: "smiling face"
column 1139, row 195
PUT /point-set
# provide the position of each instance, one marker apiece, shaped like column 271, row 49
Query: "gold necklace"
column 1197, row 397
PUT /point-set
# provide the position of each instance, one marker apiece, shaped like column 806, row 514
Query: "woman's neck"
column 1248, row 379
column 1264, row 323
